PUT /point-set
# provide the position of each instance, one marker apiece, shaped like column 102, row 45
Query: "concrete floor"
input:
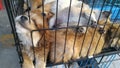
column 8, row 54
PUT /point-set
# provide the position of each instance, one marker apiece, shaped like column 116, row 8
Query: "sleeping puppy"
column 69, row 48
column 24, row 28
column 62, row 18
column 112, row 33
column 115, row 30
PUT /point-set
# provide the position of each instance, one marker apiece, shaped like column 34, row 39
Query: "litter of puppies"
column 87, row 37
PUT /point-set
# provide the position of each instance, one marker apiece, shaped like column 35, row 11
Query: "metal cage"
column 15, row 8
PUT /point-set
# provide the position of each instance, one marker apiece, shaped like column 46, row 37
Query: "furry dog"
column 112, row 33
column 24, row 27
column 69, row 48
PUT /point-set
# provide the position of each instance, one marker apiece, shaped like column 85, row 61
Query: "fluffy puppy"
column 112, row 33
column 69, row 48
column 62, row 18
column 115, row 30
column 24, row 27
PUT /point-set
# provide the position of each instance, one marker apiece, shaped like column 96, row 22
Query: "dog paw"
column 101, row 31
column 80, row 29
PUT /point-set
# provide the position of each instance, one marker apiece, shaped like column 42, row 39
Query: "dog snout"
column 93, row 23
column 23, row 18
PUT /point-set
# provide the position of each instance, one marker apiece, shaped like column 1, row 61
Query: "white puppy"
column 24, row 34
column 62, row 18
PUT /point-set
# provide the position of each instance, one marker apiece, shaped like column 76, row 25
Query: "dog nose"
column 24, row 18
column 93, row 23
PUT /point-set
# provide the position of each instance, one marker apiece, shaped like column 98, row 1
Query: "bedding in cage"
column 87, row 44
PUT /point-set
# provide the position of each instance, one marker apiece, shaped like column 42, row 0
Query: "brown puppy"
column 24, row 28
column 112, row 33
column 73, row 51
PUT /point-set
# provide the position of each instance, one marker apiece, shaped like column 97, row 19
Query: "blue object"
column 92, row 62
column 115, row 12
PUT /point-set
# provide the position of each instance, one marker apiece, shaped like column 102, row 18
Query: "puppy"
column 69, row 48
column 112, row 33
column 33, row 41
column 62, row 18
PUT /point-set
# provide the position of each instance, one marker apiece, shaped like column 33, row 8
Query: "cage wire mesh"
column 103, row 60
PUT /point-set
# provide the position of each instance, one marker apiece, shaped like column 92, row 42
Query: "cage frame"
column 11, row 16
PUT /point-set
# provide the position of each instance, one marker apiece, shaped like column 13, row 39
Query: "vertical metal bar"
column 12, row 23
column 67, row 28
column 11, row 4
column 43, row 28
column 56, row 30
column 28, row 5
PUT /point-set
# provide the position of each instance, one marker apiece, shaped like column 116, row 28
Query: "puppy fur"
column 24, row 26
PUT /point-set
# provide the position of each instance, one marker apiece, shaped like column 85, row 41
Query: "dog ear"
column 106, row 13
